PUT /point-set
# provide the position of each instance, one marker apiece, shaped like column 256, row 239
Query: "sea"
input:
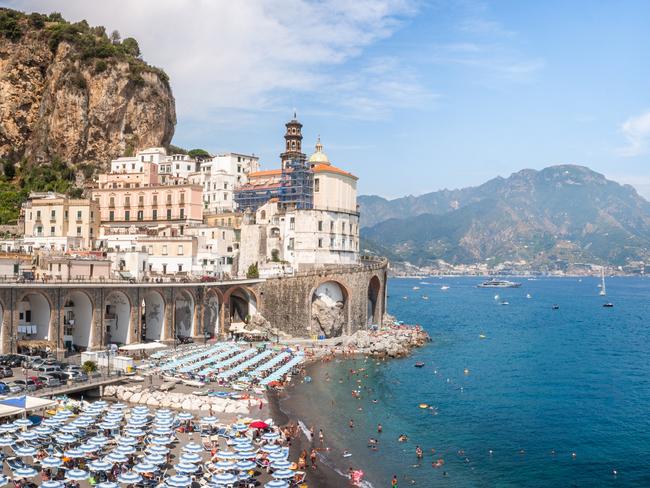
column 511, row 395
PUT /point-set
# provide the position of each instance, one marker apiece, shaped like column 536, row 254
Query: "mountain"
column 69, row 91
column 561, row 214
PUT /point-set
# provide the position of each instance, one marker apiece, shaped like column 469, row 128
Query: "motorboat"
column 419, row 364
column 608, row 305
column 499, row 284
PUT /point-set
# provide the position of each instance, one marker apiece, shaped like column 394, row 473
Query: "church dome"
column 319, row 157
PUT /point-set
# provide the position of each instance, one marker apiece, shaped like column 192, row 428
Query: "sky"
column 410, row 95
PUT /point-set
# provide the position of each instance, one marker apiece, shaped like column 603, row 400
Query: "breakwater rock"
column 392, row 341
column 177, row 401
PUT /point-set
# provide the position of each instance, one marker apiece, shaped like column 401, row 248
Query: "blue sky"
column 412, row 96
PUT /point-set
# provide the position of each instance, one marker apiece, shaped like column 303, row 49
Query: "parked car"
column 37, row 382
column 33, row 362
column 6, row 372
column 27, row 385
column 15, row 387
column 71, row 367
column 4, row 389
column 59, row 375
column 45, row 369
column 13, row 361
column 49, row 381
column 77, row 376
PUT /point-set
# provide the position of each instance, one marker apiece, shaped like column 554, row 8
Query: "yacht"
column 603, row 291
column 499, row 284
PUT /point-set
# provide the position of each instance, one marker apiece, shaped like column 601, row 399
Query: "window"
column 320, row 242
column 169, row 214
column 140, row 215
column 154, row 214
column 150, row 250
column 182, row 198
column 331, row 226
column 155, row 200
column 78, row 214
column 180, row 268
column 180, row 249
column 169, row 199
column 292, row 223
column 38, row 215
column 343, row 227
column 182, row 213
column 78, row 231
column 111, row 215
column 225, row 196
column 52, row 231
column 127, row 201
column 291, row 244
column 141, row 200
column 111, row 202
column 164, row 250
column 127, row 215
column 39, row 230
column 317, row 185
column 320, row 226
column 53, row 214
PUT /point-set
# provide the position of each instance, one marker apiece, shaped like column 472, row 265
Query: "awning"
column 143, row 346
column 23, row 404
column 126, row 275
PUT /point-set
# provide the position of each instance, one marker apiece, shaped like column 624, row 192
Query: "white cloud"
column 243, row 55
column 637, row 132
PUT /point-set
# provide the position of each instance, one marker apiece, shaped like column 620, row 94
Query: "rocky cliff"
column 70, row 91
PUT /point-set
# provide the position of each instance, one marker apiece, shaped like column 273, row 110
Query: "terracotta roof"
column 324, row 168
column 268, row 172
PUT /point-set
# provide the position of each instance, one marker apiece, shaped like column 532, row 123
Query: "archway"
column 153, row 316
column 184, row 313
column 34, row 313
column 77, row 321
column 117, row 318
column 329, row 304
column 211, row 315
column 242, row 305
column 373, row 301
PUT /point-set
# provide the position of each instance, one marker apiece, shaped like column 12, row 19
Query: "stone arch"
column 117, row 317
column 184, row 313
column 78, row 320
column 153, row 316
column 374, row 302
column 35, row 314
column 212, row 313
column 329, row 309
column 242, row 302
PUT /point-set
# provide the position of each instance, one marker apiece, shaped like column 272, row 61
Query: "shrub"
column 101, row 66
column 89, row 367
column 9, row 25
column 253, row 271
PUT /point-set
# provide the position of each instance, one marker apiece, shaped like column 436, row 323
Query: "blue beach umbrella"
column 90, row 448
column 224, row 465
column 283, row 474
column 116, row 458
column 190, row 457
column 246, row 465
column 69, row 429
column 107, row 484
column 209, row 420
column 3, row 480
column 271, row 436
column 163, row 412
column 282, row 464
column 160, row 441
column 25, row 472
column 192, row 447
column 99, row 465
column 155, row 459
column 145, row 468
column 24, row 451
column 185, row 416
column 127, row 441
column 277, row 456
column 271, row 448
column 134, row 432
column 51, row 484
column 108, row 425
column 129, row 478
column 124, row 449
column 239, row 427
column 162, row 450
column 178, row 481
column 65, row 439
column 246, row 454
column 276, row 484
column 23, row 423
column 76, row 474
column 186, row 468
column 52, row 422
column 75, row 453
column 227, row 455
column 243, row 446
column 43, row 430
column 51, row 462
column 162, row 431
column 7, row 441
column 28, row 436
column 7, row 428
column 223, row 478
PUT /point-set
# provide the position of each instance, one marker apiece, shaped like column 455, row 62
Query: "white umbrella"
column 51, row 462
column 43, row 430
column 185, row 416
column 116, row 458
column 7, row 441
column 129, row 478
column 162, row 431
column 125, row 449
column 145, row 468
column 277, row 456
column 239, row 427
column 158, row 450
column 99, row 465
column 75, row 453
column 223, row 478
column 246, row 465
column 65, row 439
column 190, row 457
column 226, row 455
column 209, row 420
column 192, row 447
column 271, row 448
column 28, row 436
column 23, row 423
column 25, row 451
column 25, row 472
column 277, row 484
column 270, row 436
column 51, row 484
column 246, row 454
column 69, row 429
column 186, row 468
column 76, row 474
column 178, row 481
column 283, row 464
column 155, row 459
column 224, row 465
column 52, row 422
column 161, row 441
column 107, row 484
column 134, row 432
column 90, row 448
column 283, row 474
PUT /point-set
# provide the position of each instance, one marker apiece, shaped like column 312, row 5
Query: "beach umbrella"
column 99, row 465
column 162, row 450
column 124, row 449
column 116, row 458
column 134, row 432
column 24, row 451
column 163, row 423
column 23, row 423
column 271, row 436
column 161, row 441
column 277, row 484
column 258, row 424
column 192, row 447
column 224, row 465
column 107, row 484
column 186, row 468
column 7, row 428
column 52, row 421
column 223, row 478
column 239, row 427
column 82, row 423
column 64, row 414
column 145, row 468
column 246, row 465
column 226, row 455
column 185, row 416
column 141, row 409
column 129, row 478
column 3, row 480
column 51, row 484
column 43, row 430
column 162, row 431
column 209, row 420
column 69, row 429
column 178, row 481
column 163, row 412
column 246, row 454
column 120, row 405
column 28, row 436
column 155, row 459
column 75, row 453
column 7, row 441
column 283, row 464
column 90, row 448
column 100, row 403
column 277, row 456
column 98, row 440
column 271, row 448
column 190, row 457
column 76, row 474
column 108, row 425
column 243, row 446
column 127, row 441
column 65, row 439
column 283, row 474
column 51, row 462
column 25, row 472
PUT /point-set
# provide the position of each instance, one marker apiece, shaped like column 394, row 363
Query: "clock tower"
column 293, row 142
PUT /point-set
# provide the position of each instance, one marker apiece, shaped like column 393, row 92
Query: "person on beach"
column 321, row 436
column 312, row 458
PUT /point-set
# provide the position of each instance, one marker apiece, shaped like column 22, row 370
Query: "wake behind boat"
column 499, row 284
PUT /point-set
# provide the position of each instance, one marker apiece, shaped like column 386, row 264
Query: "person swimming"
column 402, row 438
column 418, row 452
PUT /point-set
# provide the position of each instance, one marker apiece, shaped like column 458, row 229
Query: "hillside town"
column 158, row 217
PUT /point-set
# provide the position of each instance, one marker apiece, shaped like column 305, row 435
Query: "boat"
column 603, row 291
column 416, row 287
column 419, row 364
column 505, row 302
column 492, row 283
column 556, row 307
column 528, row 295
column 444, row 287
column 424, row 297
column 608, row 305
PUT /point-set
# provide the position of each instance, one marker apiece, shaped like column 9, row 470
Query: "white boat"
column 602, row 291
column 416, row 287
column 444, row 287
column 528, row 295
column 496, row 297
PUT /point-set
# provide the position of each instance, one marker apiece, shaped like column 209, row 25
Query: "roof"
column 23, row 404
column 328, row 168
column 268, row 172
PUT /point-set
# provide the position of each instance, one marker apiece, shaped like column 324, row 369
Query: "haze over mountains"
column 553, row 217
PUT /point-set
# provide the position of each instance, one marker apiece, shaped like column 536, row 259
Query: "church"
column 302, row 215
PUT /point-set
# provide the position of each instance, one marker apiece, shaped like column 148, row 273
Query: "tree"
column 115, row 37
column 89, row 367
column 198, row 153
column 131, row 47
column 275, row 255
column 176, row 150
column 9, row 168
column 253, row 271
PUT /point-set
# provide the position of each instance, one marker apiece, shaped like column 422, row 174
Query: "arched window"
column 263, row 214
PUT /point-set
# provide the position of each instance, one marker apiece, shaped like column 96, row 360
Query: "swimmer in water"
column 402, row 438
column 351, row 424
column 379, row 428
column 418, row 452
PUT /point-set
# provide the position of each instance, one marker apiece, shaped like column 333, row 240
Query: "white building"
column 216, row 250
column 178, row 165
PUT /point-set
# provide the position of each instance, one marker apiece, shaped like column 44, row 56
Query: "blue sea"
column 519, row 394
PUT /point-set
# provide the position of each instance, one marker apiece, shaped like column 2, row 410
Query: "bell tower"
column 292, row 142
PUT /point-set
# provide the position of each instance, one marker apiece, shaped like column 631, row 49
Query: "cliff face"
column 56, row 99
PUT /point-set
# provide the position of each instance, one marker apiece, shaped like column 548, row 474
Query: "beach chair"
column 299, row 478
column 14, row 463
